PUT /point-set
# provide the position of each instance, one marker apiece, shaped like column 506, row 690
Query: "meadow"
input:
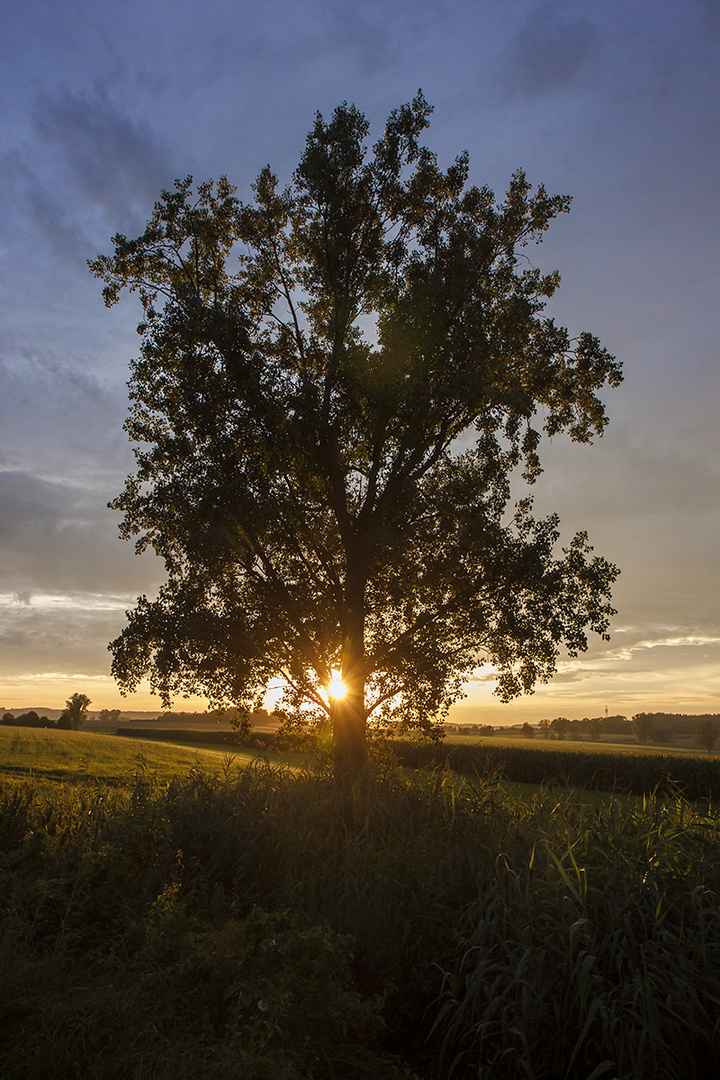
column 178, row 913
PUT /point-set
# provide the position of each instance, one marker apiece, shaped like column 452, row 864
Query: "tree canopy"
column 75, row 713
column 335, row 384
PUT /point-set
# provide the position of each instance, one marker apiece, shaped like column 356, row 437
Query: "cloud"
column 58, row 537
column 710, row 11
column 71, row 639
column 27, row 192
column 116, row 161
column 59, row 423
column 549, row 50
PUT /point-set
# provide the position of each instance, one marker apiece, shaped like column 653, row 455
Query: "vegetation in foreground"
column 260, row 923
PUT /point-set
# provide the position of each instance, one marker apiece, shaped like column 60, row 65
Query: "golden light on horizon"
column 336, row 687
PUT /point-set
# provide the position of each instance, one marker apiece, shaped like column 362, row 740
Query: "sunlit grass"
column 684, row 745
column 62, row 755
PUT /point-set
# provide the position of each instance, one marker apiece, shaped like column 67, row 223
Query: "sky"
column 615, row 103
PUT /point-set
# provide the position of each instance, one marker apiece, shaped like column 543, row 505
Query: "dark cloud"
column 60, row 418
column 710, row 11
column 71, row 637
column 60, row 537
column 549, row 50
column 32, row 202
column 117, row 161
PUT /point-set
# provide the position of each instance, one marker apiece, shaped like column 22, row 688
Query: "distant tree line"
column 214, row 716
column 590, row 727
column 662, row 728
column 26, row 719
column 74, row 714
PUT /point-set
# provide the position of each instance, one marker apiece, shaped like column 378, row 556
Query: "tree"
column 616, row 725
column 326, row 433
column 560, row 726
column 109, row 716
column 707, row 734
column 642, row 725
column 594, row 727
column 528, row 731
column 75, row 712
column 663, row 731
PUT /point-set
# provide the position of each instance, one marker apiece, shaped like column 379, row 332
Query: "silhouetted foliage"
column 707, row 734
column 75, row 713
column 593, row 728
column 27, row 719
column 642, row 724
column 684, row 724
column 663, row 732
column 109, row 716
column 560, row 727
column 297, row 418
column 616, row 725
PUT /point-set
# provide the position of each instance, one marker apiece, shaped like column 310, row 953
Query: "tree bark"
column 349, row 742
column 348, row 714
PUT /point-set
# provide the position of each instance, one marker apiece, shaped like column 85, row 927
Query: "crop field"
column 172, row 913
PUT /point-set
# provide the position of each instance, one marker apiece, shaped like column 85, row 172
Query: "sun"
column 336, row 687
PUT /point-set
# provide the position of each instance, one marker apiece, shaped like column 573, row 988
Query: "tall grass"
column 595, row 957
column 259, row 923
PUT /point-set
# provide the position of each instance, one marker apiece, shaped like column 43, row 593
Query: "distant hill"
column 54, row 714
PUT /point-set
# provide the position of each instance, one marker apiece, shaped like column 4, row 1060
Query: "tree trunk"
column 349, row 744
column 348, row 714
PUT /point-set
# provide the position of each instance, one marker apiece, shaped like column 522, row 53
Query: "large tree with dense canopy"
column 335, row 384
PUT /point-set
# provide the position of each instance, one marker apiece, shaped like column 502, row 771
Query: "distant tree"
column 75, row 712
column 707, row 734
column 298, row 419
column 109, row 716
column 663, row 731
column 560, row 727
column 544, row 728
column 8, row 719
column 616, row 725
column 31, row 719
column 528, row 731
column 642, row 725
column 594, row 728
column 486, row 729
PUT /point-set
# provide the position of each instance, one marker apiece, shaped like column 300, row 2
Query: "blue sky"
column 615, row 103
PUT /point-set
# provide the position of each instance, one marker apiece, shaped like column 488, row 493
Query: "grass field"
column 64, row 755
column 170, row 914
column 623, row 744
